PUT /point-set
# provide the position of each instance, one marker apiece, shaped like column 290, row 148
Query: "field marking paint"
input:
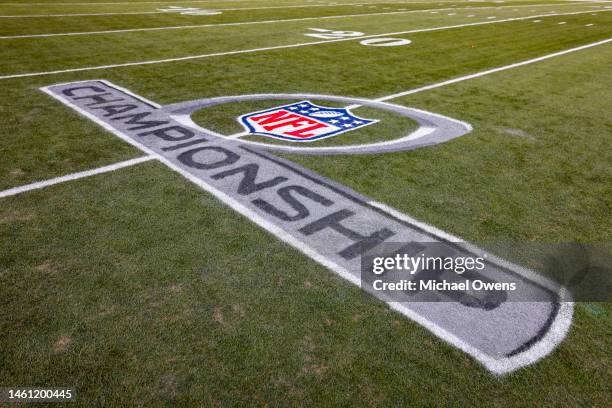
column 194, row 26
column 433, row 128
column 441, row 84
column 554, row 335
column 324, row 5
column 557, row 332
column 74, row 176
column 494, row 70
column 189, row 11
column 264, row 8
column 186, row 2
column 122, row 13
column 253, row 1
column 276, row 47
column 254, row 217
column 128, row 3
column 386, row 42
column 433, row 11
column 434, row 86
column 167, row 12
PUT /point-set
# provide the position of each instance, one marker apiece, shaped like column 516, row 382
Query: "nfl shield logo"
column 302, row 122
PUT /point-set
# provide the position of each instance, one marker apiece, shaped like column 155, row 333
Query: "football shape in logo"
column 326, row 114
column 302, row 122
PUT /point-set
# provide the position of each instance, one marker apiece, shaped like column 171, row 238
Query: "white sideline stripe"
column 73, row 176
column 260, row 8
column 277, row 47
column 130, row 30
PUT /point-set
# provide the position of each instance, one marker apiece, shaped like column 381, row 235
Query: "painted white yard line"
column 233, row 8
column 276, row 7
column 170, row 13
column 128, row 30
column 162, row 12
column 195, row 26
column 74, row 176
column 122, row 13
column 297, row 6
column 277, row 47
column 132, row 162
column 171, row 2
column 234, row 1
column 494, row 70
column 465, row 78
column 487, row 72
column 125, row 2
column 557, row 332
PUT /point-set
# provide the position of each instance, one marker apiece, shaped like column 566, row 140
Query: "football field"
column 187, row 190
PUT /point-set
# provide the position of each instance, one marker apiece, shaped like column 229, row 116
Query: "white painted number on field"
column 189, row 11
column 331, row 34
column 375, row 42
column 385, row 42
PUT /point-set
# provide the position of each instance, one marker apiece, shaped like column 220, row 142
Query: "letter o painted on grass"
column 385, row 42
column 188, row 158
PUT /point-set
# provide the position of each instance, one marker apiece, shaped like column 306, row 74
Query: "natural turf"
column 432, row 57
column 138, row 286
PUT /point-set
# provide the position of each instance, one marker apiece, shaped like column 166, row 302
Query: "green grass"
column 136, row 287
column 38, row 25
column 23, row 55
column 38, row 127
column 158, row 309
column 534, row 168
